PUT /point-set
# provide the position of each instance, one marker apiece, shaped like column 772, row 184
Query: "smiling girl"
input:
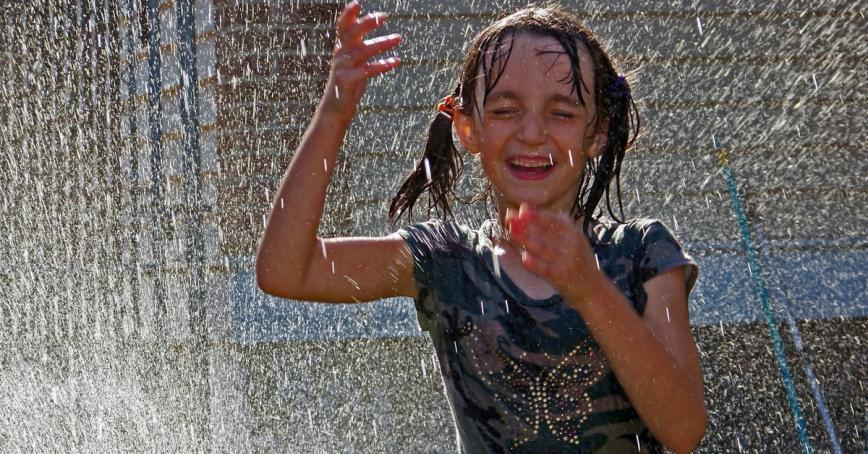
column 557, row 330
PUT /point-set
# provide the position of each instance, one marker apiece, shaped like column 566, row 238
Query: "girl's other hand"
column 554, row 248
column 517, row 221
column 351, row 65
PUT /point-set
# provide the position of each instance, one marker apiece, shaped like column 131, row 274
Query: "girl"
column 556, row 330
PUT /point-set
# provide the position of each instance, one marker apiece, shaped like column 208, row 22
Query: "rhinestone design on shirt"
column 540, row 388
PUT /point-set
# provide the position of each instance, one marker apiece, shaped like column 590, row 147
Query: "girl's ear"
column 465, row 131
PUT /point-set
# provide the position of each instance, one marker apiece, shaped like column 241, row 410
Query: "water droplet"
column 496, row 252
column 427, row 170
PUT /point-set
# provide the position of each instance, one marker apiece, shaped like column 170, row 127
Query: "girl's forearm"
column 658, row 387
column 290, row 233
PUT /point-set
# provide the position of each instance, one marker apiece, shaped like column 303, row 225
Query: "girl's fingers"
column 540, row 246
column 351, row 49
column 354, row 32
column 382, row 66
column 536, row 264
column 547, row 235
column 371, row 69
column 359, row 57
column 375, row 46
column 556, row 226
column 527, row 225
column 347, row 17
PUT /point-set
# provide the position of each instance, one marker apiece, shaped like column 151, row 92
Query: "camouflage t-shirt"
column 525, row 375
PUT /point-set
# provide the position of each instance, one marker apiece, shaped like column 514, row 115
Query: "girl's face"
column 533, row 136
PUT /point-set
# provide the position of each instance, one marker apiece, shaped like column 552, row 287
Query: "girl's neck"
column 500, row 231
column 503, row 206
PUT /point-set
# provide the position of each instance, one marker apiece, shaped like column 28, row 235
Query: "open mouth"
column 530, row 168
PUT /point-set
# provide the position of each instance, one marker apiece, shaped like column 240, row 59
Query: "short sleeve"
column 421, row 238
column 660, row 252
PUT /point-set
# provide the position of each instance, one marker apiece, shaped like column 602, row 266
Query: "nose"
column 532, row 129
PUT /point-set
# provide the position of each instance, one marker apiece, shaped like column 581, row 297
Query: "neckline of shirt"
column 485, row 249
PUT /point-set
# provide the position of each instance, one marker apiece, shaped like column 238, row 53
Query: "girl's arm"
column 292, row 261
column 654, row 356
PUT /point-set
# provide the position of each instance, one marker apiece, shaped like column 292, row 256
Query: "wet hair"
column 440, row 165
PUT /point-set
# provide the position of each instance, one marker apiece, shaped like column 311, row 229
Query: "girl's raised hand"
column 554, row 248
column 351, row 65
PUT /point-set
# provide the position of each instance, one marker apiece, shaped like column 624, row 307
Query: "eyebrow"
column 556, row 98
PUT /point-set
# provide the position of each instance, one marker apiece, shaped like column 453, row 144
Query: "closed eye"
column 503, row 111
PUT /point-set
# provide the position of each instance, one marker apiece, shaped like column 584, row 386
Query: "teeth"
column 530, row 162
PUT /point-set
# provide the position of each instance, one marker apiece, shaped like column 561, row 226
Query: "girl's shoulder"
column 652, row 247
column 449, row 236
column 607, row 227
column 635, row 233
